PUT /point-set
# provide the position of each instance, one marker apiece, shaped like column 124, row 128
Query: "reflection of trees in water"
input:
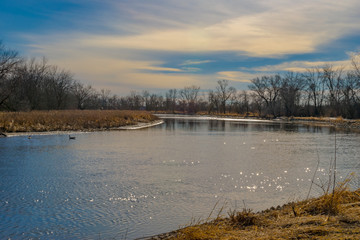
column 313, row 129
column 216, row 125
column 244, row 126
column 222, row 126
column 341, row 130
column 188, row 124
column 170, row 124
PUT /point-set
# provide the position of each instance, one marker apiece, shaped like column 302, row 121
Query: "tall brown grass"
column 325, row 217
column 70, row 120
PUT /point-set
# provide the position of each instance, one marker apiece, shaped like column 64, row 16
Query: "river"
column 134, row 183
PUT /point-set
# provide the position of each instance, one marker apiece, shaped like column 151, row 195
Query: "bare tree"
column 82, row 94
column 9, row 60
column 332, row 78
column 224, row 93
column 156, row 102
column 59, row 85
column 104, row 98
column 135, row 101
column 171, row 98
column 291, row 86
column 268, row 89
column 315, row 87
column 32, row 75
column 189, row 96
column 243, row 102
column 213, row 100
column 351, row 95
column 257, row 103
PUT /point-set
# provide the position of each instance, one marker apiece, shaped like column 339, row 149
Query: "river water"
column 130, row 184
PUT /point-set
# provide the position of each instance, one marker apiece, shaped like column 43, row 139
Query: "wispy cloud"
column 236, row 76
column 301, row 66
column 160, row 69
column 195, row 62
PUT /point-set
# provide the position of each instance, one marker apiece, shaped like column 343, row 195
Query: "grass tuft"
column 244, row 218
column 331, row 203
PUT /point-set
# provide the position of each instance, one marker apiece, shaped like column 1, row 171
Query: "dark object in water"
column 71, row 137
column 29, row 137
column 2, row 135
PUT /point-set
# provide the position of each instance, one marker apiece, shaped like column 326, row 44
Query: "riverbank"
column 74, row 120
column 339, row 122
column 326, row 217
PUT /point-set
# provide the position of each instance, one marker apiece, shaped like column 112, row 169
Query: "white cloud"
column 236, row 76
column 195, row 62
column 302, row 66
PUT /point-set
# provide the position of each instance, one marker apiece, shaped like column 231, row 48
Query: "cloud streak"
column 302, row 66
column 299, row 28
column 195, row 62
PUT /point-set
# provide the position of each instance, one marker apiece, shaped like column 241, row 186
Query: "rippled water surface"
column 130, row 184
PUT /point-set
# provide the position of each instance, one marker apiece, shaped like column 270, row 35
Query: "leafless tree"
column 243, row 100
column 268, row 89
column 171, row 99
column 351, row 95
column 59, row 85
column 189, row 96
column 291, row 86
column 104, row 98
column 224, row 92
column 213, row 101
column 9, row 60
column 32, row 75
column 315, row 88
column 333, row 80
column 82, row 94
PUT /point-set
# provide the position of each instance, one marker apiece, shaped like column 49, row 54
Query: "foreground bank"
column 331, row 216
column 71, row 120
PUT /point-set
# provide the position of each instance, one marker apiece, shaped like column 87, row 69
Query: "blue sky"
column 161, row 44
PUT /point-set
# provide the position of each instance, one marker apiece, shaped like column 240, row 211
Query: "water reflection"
column 223, row 125
column 216, row 125
column 138, row 183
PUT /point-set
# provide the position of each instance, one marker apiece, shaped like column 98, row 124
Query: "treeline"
column 27, row 85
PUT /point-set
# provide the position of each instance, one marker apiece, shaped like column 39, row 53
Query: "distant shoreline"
column 341, row 123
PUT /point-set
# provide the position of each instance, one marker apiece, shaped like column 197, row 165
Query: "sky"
column 156, row 45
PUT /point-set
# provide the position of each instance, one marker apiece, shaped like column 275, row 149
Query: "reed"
column 70, row 120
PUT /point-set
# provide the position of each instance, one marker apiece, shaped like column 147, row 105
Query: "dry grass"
column 70, row 120
column 338, row 122
column 326, row 119
column 330, row 203
column 326, row 217
column 231, row 114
